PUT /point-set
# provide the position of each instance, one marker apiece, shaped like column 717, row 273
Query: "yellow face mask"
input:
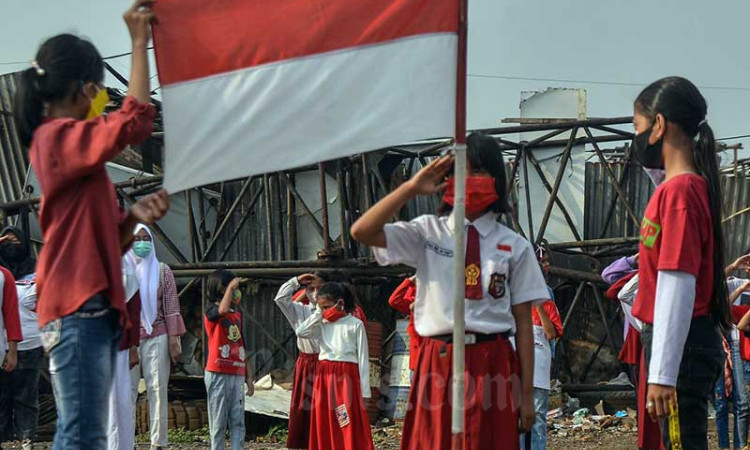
column 98, row 104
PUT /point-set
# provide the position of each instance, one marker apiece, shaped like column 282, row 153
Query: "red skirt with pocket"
column 339, row 420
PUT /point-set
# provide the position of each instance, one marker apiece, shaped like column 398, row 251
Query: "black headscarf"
column 18, row 258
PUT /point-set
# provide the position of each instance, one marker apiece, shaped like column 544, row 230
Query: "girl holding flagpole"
column 502, row 278
column 682, row 294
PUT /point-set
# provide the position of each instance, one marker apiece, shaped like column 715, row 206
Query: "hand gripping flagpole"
column 459, row 201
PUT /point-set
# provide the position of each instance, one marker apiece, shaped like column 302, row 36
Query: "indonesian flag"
column 255, row 86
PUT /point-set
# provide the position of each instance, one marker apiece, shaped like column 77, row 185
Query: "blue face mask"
column 142, row 248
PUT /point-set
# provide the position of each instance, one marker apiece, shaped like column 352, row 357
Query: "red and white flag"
column 255, row 86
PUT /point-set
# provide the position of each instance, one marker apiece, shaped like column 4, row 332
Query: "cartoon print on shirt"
column 224, row 349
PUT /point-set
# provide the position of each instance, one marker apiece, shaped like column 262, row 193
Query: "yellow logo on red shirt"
column 649, row 232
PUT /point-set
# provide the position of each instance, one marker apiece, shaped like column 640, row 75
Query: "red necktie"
column 473, row 274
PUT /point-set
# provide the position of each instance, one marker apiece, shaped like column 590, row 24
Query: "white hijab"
column 148, row 273
column 129, row 276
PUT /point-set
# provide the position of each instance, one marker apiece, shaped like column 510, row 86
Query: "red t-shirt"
column 738, row 312
column 554, row 316
column 677, row 235
column 226, row 348
column 80, row 218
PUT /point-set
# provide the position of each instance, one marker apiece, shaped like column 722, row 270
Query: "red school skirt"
column 649, row 432
column 490, row 417
column 339, row 420
column 299, row 410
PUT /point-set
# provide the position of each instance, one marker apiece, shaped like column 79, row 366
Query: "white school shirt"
column 734, row 283
column 542, row 359
column 344, row 340
column 26, row 289
column 296, row 313
column 508, row 264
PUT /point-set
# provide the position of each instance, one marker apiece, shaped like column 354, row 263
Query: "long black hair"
column 681, row 103
column 335, row 291
column 216, row 284
column 483, row 152
column 63, row 65
column 18, row 258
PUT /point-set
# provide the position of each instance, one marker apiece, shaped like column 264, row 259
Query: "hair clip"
column 39, row 71
column 702, row 122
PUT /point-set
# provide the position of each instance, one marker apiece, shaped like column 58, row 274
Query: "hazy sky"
column 612, row 48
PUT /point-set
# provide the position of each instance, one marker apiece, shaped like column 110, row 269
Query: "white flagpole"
column 459, row 213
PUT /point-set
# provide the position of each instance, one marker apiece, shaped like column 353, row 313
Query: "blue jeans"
column 739, row 399
column 19, row 397
column 226, row 406
column 539, row 428
column 81, row 366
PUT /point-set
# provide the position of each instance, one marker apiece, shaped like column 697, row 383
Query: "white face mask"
column 656, row 175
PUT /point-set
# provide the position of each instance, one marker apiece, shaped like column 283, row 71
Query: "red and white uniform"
column 296, row 312
column 339, row 420
column 509, row 274
column 401, row 300
column 542, row 349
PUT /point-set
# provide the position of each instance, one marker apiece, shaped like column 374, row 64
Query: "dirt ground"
column 388, row 439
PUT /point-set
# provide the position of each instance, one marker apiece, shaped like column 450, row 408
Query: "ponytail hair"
column 681, row 103
column 63, row 64
column 336, row 291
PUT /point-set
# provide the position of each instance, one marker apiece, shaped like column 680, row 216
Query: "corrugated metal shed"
column 14, row 159
column 600, row 195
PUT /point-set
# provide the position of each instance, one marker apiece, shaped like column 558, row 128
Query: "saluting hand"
column 431, row 179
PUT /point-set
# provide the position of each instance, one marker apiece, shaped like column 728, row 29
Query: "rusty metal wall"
column 600, row 194
column 14, row 160
column 734, row 189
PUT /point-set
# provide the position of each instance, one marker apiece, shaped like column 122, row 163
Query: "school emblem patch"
column 497, row 285
column 472, row 275
column 649, row 233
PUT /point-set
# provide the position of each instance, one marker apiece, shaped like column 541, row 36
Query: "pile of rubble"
column 570, row 420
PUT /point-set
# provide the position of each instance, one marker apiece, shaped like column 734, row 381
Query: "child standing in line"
column 682, row 294
column 402, row 300
column 339, row 420
column 502, row 279
column 227, row 366
column 297, row 308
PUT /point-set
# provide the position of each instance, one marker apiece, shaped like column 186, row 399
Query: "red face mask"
column 333, row 314
column 480, row 193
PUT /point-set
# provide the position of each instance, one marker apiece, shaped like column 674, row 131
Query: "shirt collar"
column 484, row 224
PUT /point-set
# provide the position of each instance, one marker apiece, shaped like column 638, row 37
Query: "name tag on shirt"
column 342, row 415
column 438, row 249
